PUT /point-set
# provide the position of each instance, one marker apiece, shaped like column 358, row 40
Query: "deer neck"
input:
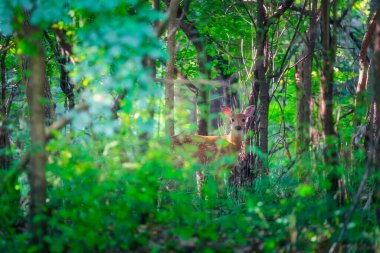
column 235, row 138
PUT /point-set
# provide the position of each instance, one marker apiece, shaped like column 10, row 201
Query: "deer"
column 211, row 148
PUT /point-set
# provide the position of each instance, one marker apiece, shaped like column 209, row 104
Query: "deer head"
column 238, row 120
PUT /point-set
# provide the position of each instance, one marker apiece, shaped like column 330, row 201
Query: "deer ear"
column 249, row 111
column 226, row 111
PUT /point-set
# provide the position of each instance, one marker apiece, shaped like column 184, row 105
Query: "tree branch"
column 278, row 13
column 49, row 132
column 363, row 62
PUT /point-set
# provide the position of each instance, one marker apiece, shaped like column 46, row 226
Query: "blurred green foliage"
column 114, row 185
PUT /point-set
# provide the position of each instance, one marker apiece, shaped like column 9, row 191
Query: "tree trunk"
column 36, row 92
column 360, row 105
column 261, row 66
column 376, row 95
column 215, row 105
column 46, row 99
column 49, row 108
column 63, row 55
column 62, row 51
column 258, row 124
column 203, row 105
column 326, row 90
column 303, row 83
column 65, row 82
column 5, row 159
column 169, row 77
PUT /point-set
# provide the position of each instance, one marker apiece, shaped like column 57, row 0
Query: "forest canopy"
column 190, row 126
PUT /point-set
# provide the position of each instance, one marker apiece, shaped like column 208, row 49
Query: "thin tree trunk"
column 5, row 159
column 377, row 113
column 261, row 66
column 3, row 78
column 62, row 50
column 203, row 111
column 169, row 77
column 48, row 105
column 203, row 105
column 326, row 90
column 215, row 105
column 65, row 82
column 36, row 91
column 49, row 108
column 47, row 99
column 303, row 83
column 41, row 111
column 360, row 105
column 327, row 73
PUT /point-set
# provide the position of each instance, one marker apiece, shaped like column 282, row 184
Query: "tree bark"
column 260, row 87
column 65, row 82
column 169, row 77
column 5, row 159
column 360, row 105
column 261, row 67
column 328, row 38
column 62, row 51
column 63, row 56
column 376, row 95
column 36, row 93
column 327, row 72
column 303, row 83
column 46, row 99
column 203, row 105
column 215, row 104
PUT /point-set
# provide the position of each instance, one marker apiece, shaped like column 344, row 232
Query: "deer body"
column 209, row 148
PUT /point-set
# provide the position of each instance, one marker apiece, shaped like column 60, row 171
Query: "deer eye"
column 243, row 120
column 232, row 120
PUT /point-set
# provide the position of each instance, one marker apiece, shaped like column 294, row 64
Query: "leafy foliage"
column 115, row 183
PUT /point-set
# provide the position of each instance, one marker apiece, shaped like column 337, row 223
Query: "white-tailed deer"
column 211, row 148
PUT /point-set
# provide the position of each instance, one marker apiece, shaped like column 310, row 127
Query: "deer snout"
column 238, row 128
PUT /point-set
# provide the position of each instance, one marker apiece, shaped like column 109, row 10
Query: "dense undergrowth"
column 113, row 182
column 100, row 200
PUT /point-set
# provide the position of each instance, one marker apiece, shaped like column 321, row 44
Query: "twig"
column 3, row 49
column 281, row 10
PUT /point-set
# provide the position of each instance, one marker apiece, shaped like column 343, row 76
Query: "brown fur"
column 210, row 148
